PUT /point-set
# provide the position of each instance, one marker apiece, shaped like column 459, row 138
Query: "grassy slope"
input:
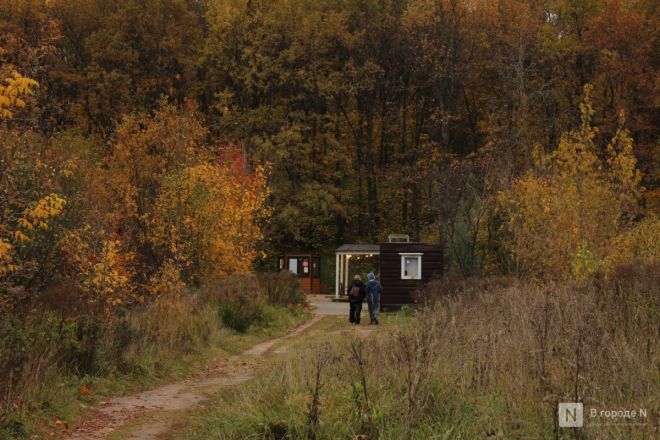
column 61, row 400
column 277, row 404
column 277, row 399
column 490, row 360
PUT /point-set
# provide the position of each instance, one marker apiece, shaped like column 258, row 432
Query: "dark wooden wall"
column 397, row 292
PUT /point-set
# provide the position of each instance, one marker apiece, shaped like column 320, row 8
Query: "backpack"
column 355, row 292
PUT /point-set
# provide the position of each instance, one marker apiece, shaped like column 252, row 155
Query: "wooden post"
column 337, row 258
column 346, row 276
column 341, row 268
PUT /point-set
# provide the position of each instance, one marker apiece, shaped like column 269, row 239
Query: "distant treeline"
column 374, row 116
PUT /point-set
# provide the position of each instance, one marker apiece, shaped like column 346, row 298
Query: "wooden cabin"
column 307, row 267
column 402, row 268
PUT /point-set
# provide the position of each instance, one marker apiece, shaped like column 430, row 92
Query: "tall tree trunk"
column 359, row 168
column 372, row 201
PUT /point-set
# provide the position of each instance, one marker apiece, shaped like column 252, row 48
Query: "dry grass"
column 485, row 358
column 47, row 356
column 594, row 342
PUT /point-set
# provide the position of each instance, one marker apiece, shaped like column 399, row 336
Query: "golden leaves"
column 564, row 217
column 12, row 89
column 6, row 256
column 47, row 208
column 210, row 214
column 33, row 220
column 21, row 236
column 103, row 268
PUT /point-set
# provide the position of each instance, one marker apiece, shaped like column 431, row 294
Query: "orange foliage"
column 212, row 212
column 165, row 209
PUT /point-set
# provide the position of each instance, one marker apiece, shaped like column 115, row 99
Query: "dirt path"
column 119, row 411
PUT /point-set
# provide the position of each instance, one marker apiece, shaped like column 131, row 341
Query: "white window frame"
column 405, row 255
column 288, row 264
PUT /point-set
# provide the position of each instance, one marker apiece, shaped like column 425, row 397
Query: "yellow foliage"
column 20, row 236
column 101, row 266
column 639, row 243
column 45, row 209
column 563, row 215
column 12, row 89
column 5, row 257
column 208, row 216
column 50, row 206
column 167, row 284
column 38, row 216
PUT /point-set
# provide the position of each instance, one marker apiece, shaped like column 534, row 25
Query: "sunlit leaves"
column 208, row 216
column 12, row 91
column 45, row 209
column 101, row 268
column 5, row 257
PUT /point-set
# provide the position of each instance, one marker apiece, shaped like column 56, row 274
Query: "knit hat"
column 371, row 276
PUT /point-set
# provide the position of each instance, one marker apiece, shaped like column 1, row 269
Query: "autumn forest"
column 151, row 150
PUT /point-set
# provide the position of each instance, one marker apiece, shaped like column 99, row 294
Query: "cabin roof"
column 358, row 248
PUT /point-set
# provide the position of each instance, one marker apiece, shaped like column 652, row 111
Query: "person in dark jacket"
column 373, row 290
column 355, row 297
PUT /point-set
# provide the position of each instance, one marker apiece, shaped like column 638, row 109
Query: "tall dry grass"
column 484, row 358
column 47, row 355
column 594, row 342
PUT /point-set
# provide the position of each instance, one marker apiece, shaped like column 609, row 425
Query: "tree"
column 208, row 217
column 564, row 215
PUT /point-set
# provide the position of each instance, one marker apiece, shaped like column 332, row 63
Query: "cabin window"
column 299, row 266
column 293, row 265
column 411, row 266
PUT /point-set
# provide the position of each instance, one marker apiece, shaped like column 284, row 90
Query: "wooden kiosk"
column 403, row 267
column 307, row 267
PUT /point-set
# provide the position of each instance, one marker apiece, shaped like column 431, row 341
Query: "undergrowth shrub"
column 240, row 301
column 50, row 345
column 241, row 315
column 244, row 298
column 282, row 289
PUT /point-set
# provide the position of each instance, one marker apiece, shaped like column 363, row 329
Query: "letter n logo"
column 570, row 415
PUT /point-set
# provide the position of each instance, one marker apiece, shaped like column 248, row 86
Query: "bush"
column 282, row 289
column 241, row 315
column 242, row 298
column 42, row 349
column 45, row 340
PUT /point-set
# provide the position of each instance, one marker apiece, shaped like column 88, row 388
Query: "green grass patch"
column 60, row 366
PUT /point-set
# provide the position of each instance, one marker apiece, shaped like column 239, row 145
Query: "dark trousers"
column 374, row 304
column 355, row 311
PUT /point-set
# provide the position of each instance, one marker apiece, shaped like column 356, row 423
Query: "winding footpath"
column 119, row 411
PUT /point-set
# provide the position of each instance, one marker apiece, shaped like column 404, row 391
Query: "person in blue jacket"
column 373, row 290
